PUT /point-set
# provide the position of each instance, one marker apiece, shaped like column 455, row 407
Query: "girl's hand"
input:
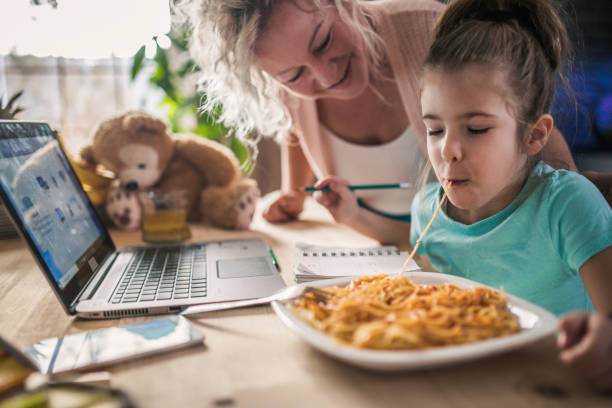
column 585, row 340
column 285, row 208
column 340, row 201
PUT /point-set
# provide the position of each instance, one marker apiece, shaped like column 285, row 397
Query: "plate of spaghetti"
column 412, row 321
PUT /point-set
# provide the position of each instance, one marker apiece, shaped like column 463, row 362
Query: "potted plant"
column 175, row 73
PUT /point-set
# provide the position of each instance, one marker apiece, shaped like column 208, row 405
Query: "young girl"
column 510, row 221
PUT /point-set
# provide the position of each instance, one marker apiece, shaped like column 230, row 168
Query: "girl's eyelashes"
column 474, row 131
column 478, row 131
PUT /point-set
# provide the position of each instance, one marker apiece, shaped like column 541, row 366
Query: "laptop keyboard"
column 163, row 274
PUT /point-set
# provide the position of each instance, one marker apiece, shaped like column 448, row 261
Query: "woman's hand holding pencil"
column 335, row 194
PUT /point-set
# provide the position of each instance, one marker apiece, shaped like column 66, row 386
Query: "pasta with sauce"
column 391, row 313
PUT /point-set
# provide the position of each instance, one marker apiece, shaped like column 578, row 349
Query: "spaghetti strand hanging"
column 433, row 217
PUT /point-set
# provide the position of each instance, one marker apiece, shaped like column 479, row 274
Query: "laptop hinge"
column 96, row 279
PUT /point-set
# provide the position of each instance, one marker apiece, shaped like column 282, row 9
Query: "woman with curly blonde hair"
column 337, row 81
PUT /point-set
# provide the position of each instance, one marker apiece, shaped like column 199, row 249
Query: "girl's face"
column 313, row 53
column 472, row 139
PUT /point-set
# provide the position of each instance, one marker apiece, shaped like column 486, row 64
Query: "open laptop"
column 88, row 274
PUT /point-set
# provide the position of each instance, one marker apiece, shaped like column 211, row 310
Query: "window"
column 73, row 61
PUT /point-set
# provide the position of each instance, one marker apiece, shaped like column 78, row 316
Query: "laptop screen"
column 50, row 207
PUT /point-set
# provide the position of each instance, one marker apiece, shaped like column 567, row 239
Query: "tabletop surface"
column 251, row 359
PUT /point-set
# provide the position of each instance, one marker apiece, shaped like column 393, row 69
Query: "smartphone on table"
column 102, row 347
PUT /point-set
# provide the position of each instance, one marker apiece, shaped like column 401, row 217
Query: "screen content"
column 48, row 198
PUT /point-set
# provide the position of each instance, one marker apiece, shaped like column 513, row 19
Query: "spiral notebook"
column 313, row 262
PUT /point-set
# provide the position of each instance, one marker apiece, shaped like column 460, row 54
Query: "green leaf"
column 179, row 40
column 188, row 67
column 172, row 108
column 138, row 61
column 244, row 156
column 161, row 57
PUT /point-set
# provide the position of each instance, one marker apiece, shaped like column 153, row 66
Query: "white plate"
column 535, row 323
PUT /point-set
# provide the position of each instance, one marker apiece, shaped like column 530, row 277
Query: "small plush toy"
column 144, row 155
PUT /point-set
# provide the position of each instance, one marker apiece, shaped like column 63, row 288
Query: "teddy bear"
column 145, row 156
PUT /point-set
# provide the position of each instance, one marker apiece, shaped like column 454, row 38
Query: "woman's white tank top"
column 398, row 161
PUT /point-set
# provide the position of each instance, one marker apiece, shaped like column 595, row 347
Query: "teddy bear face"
column 136, row 147
column 139, row 166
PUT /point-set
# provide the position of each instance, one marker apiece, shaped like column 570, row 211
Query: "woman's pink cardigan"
column 405, row 27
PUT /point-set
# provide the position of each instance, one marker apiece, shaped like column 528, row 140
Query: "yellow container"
column 94, row 182
column 163, row 226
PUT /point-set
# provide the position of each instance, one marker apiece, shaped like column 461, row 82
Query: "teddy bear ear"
column 104, row 128
column 87, row 156
column 143, row 122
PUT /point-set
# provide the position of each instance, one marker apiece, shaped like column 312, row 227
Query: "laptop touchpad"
column 243, row 268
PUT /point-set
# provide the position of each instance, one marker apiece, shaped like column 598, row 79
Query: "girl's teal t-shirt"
column 533, row 248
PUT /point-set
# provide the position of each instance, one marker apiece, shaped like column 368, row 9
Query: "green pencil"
column 364, row 187
column 274, row 261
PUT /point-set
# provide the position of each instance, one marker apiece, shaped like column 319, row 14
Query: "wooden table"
column 252, row 360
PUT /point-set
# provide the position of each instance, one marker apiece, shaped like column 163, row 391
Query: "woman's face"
column 313, row 53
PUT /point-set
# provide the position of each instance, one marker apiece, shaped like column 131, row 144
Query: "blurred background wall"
column 590, row 136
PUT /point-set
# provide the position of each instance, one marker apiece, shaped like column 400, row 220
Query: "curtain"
column 74, row 95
